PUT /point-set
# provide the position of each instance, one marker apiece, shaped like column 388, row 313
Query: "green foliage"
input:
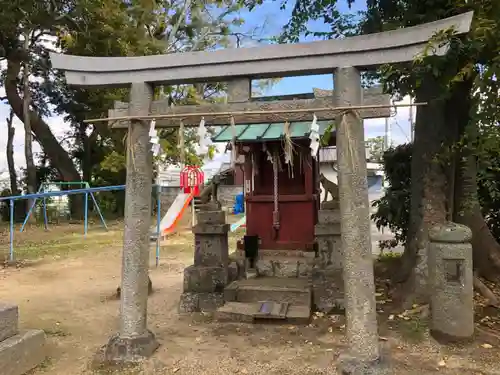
column 376, row 146
column 393, row 208
column 489, row 193
column 111, row 28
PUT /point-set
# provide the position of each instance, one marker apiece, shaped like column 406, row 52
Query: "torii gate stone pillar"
column 134, row 341
column 358, row 275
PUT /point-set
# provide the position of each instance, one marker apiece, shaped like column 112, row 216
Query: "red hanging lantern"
column 191, row 179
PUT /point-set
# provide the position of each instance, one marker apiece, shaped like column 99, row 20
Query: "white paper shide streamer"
column 314, row 137
column 153, row 139
column 204, row 141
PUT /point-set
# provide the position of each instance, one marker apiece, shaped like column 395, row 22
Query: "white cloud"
column 58, row 126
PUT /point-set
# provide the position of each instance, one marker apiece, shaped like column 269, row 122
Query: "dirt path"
column 71, row 300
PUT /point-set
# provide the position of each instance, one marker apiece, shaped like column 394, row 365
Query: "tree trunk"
column 428, row 189
column 51, row 146
column 11, row 131
column 28, row 137
column 58, row 156
column 467, row 210
column 19, row 205
column 486, row 250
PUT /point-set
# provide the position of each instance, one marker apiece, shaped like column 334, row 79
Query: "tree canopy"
column 110, row 28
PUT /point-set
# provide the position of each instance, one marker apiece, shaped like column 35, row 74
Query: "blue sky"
column 269, row 19
column 274, row 18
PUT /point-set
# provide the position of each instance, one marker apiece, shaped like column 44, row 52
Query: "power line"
column 402, row 131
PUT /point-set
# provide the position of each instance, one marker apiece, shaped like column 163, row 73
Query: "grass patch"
column 388, row 256
column 59, row 240
column 414, row 330
column 44, row 366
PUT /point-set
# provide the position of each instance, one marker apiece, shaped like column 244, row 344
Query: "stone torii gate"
column 345, row 59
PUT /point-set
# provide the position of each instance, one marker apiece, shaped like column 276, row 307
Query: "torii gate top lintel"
column 362, row 52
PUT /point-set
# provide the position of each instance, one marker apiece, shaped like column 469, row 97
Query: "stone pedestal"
column 327, row 234
column 19, row 351
column 327, row 282
column 205, row 280
column 451, row 282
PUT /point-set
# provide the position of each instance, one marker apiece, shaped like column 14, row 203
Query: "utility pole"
column 412, row 124
column 388, row 134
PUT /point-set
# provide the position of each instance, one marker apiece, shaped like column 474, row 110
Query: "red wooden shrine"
column 297, row 198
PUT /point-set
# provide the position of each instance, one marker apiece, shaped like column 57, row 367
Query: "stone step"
column 294, row 291
column 248, row 312
column 22, row 352
column 9, row 317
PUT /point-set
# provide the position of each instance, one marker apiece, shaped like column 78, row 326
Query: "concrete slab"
column 9, row 317
column 245, row 313
column 22, row 352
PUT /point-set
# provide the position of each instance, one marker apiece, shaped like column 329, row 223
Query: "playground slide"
column 174, row 213
column 239, row 223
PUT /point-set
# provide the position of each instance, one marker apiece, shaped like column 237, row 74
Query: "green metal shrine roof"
column 267, row 132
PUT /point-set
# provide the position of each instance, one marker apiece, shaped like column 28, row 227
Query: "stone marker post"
column 134, row 341
column 360, row 306
column 451, row 282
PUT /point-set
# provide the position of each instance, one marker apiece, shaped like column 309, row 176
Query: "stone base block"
column 446, row 339
column 352, row 366
column 328, row 291
column 279, row 265
column 234, row 272
column 329, row 252
column 211, row 217
column 127, row 350
column 211, row 249
column 329, row 216
column 284, row 267
column 327, row 229
column 200, row 302
column 22, row 352
column 205, row 279
column 9, row 317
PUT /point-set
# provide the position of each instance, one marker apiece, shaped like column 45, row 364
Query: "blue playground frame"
column 44, row 189
column 87, row 191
